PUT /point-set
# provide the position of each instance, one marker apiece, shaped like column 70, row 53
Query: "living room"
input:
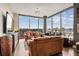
column 39, row 29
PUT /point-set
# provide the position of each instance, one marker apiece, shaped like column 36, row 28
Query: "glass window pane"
column 23, row 22
column 23, row 25
column 56, row 21
column 67, row 17
column 33, row 23
column 67, row 23
column 41, row 22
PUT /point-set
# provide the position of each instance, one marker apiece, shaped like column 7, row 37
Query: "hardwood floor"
column 67, row 52
column 22, row 50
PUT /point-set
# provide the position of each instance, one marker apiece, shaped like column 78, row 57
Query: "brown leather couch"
column 0, row 45
column 6, row 45
column 45, row 46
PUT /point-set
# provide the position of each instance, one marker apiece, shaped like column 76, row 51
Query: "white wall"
column 3, row 8
column 15, row 21
column 1, row 22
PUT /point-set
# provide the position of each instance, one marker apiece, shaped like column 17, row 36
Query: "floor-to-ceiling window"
column 23, row 22
column 28, row 23
column 67, row 23
column 36, row 24
column 41, row 23
column 33, row 23
column 56, row 23
column 62, row 23
column 23, row 25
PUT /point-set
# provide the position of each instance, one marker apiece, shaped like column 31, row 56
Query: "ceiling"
column 39, row 9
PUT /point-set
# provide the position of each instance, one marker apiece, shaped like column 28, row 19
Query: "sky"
column 67, row 21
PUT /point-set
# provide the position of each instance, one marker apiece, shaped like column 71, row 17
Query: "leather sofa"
column 0, row 45
column 45, row 46
column 6, row 45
